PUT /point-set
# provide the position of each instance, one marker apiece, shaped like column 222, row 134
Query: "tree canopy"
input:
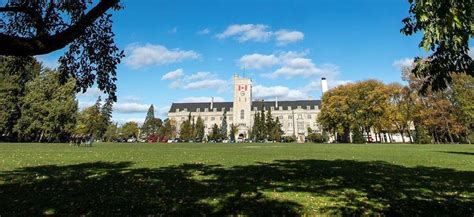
column 447, row 27
column 30, row 28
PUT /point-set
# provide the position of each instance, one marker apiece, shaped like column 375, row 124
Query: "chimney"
column 212, row 103
column 324, row 85
column 276, row 102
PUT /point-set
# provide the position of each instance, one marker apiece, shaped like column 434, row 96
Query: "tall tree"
column 151, row 126
column 186, row 129
column 447, row 27
column 15, row 73
column 215, row 133
column 39, row 27
column 199, row 129
column 48, row 109
column 233, row 131
column 168, row 130
column 223, row 128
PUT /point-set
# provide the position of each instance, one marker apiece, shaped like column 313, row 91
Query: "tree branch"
column 21, row 46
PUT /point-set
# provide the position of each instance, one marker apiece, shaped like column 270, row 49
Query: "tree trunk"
column 401, row 134
column 409, row 135
column 41, row 136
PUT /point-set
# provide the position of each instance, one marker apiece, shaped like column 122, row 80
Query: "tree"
column 261, row 134
column 15, row 73
column 186, row 129
column 112, row 133
column 223, row 129
column 151, row 126
column 48, row 109
column 447, row 27
column 39, row 27
column 129, row 130
column 269, row 125
column 168, row 130
column 233, row 131
column 276, row 132
column 199, row 129
column 254, row 134
column 463, row 102
column 215, row 133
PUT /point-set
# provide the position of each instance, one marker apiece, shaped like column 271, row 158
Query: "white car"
column 170, row 141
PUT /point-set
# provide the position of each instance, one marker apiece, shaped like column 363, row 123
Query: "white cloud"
column 284, row 36
column 247, row 32
column 201, row 99
column 149, row 54
column 282, row 92
column 200, row 76
column 122, row 121
column 257, row 61
column 260, row 33
column 132, row 107
column 403, row 63
column 129, row 99
column 204, row 31
column 316, row 85
column 303, row 67
column 218, row 84
column 91, row 92
column 173, row 75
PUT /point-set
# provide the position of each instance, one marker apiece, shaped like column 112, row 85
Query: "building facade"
column 295, row 116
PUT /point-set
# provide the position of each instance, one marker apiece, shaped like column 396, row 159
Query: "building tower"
column 242, row 105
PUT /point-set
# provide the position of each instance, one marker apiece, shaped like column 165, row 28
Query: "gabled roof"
column 192, row 107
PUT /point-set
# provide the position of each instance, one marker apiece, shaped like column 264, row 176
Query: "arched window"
column 242, row 114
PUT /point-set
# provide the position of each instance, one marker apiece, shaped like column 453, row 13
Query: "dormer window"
column 198, row 109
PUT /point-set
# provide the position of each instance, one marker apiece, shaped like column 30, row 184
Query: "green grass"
column 232, row 179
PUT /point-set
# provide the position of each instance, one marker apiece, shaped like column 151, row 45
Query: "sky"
column 188, row 51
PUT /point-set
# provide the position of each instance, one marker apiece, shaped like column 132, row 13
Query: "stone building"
column 295, row 116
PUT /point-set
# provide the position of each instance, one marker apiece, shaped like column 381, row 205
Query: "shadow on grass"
column 353, row 188
column 458, row 152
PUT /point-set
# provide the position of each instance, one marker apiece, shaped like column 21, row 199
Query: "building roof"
column 192, row 107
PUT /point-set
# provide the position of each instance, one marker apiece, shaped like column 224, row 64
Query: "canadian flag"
column 242, row 87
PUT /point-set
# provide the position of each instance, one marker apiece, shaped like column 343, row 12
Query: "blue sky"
column 189, row 50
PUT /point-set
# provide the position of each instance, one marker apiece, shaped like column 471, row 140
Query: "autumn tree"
column 29, row 28
column 447, row 26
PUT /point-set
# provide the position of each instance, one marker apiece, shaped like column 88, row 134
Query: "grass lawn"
column 231, row 179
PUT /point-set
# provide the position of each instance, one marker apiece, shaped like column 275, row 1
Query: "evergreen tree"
column 233, row 131
column 15, row 72
column 186, row 129
column 276, row 132
column 261, row 128
column 215, row 133
column 255, row 127
column 48, row 109
column 106, row 117
column 269, row 125
column 151, row 126
column 199, row 129
column 111, row 133
column 223, row 129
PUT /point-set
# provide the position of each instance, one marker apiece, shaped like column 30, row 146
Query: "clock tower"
column 242, row 105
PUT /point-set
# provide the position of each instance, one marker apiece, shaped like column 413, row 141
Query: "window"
column 242, row 114
column 221, row 118
column 308, row 107
column 300, row 125
column 280, row 117
column 299, row 107
column 289, row 107
column 230, row 118
column 300, row 116
column 177, row 110
column 198, row 109
column 206, row 109
column 309, row 116
column 206, row 118
column 290, row 117
column 213, row 118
